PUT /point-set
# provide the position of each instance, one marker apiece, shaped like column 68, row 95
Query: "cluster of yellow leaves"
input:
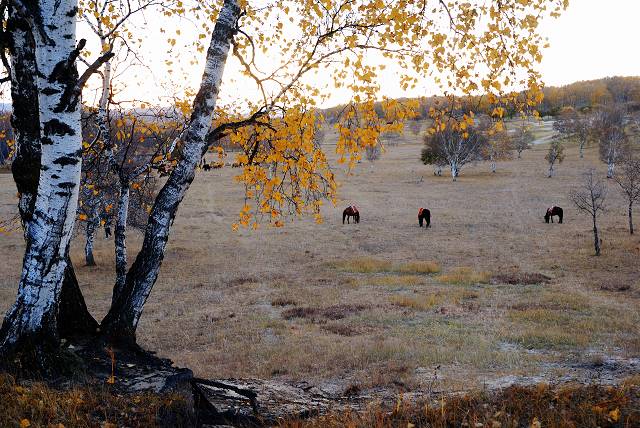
column 285, row 170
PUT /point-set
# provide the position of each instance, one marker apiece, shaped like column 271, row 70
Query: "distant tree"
column 628, row 179
column 372, row 153
column 572, row 125
column 500, row 147
column 415, row 126
column 555, row 154
column 590, row 198
column 454, row 147
column 609, row 130
column 522, row 139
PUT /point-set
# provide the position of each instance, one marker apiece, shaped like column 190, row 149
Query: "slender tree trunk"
column 610, row 169
column 631, row 218
column 90, row 231
column 121, row 321
column 582, row 149
column 31, row 323
column 550, row 170
column 454, row 170
column 103, row 114
column 494, row 166
column 596, row 239
column 120, row 239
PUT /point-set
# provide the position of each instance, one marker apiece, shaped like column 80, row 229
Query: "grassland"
column 385, row 303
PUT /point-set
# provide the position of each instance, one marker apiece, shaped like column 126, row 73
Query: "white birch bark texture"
column 33, row 316
column 120, row 238
column 124, row 314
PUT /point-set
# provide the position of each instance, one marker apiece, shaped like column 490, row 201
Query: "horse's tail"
column 344, row 215
column 428, row 217
column 560, row 214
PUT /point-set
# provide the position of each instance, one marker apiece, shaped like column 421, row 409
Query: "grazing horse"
column 351, row 211
column 206, row 167
column 553, row 211
column 424, row 215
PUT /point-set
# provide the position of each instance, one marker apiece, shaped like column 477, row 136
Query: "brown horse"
column 424, row 215
column 553, row 211
column 349, row 212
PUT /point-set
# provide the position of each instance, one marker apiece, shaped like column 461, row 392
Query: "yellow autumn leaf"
column 614, row 415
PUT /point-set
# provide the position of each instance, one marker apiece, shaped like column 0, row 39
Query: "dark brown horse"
column 553, row 211
column 349, row 212
column 424, row 215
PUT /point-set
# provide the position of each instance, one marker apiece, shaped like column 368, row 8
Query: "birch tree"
column 573, row 125
column 522, row 139
column 455, row 147
column 282, row 170
column 629, row 181
column 609, row 130
column 31, row 322
column 590, row 198
column 554, row 155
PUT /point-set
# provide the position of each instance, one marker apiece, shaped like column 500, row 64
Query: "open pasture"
column 489, row 292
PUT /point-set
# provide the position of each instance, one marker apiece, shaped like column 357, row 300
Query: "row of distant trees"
column 579, row 96
column 613, row 128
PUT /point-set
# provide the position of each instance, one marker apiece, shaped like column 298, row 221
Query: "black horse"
column 424, row 215
column 349, row 212
column 206, row 167
column 553, row 211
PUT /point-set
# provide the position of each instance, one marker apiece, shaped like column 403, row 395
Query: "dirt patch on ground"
column 520, row 278
column 615, row 286
column 335, row 312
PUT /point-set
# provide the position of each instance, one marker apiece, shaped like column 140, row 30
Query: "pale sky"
column 592, row 39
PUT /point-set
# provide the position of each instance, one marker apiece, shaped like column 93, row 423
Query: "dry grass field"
column 385, row 303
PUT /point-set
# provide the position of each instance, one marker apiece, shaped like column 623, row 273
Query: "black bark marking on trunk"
column 50, row 91
column 66, row 160
column 56, row 127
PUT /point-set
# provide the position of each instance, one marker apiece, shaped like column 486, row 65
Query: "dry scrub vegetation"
column 541, row 406
column 37, row 405
column 489, row 290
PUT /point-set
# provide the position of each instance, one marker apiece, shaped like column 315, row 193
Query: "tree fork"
column 121, row 321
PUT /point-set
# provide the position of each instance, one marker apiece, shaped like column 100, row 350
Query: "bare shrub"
column 590, row 198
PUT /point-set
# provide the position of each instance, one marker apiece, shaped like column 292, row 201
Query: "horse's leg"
column 420, row 221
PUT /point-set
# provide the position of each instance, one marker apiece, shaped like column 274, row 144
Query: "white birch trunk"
column 88, row 246
column 453, row 165
column 120, row 238
column 124, row 314
column 33, row 316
